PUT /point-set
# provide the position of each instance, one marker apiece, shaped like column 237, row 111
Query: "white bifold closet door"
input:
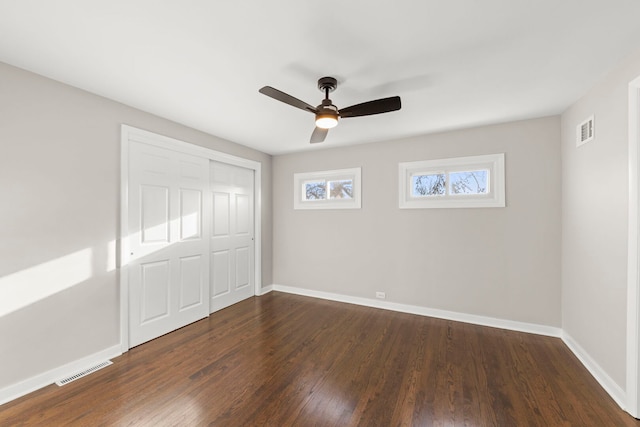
column 232, row 234
column 169, row 241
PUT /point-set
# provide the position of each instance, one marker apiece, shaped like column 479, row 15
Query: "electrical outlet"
column 381, row 295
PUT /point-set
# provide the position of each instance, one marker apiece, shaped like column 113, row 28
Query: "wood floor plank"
column 286, row 360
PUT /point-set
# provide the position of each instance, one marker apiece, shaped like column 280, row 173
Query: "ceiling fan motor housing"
column 327, row 106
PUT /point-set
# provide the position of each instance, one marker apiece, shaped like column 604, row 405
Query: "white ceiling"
column 455, row 63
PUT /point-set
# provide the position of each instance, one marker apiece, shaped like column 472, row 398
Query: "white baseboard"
column 265, row 290
column 29, row 385
column 610, row 386
column 531, row 328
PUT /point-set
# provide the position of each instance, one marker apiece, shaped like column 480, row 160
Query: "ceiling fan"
column 327, row 114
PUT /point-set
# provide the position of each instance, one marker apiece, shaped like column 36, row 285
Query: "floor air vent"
column 84, row 373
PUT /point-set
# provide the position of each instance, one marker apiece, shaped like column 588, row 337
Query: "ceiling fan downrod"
column 327, row 85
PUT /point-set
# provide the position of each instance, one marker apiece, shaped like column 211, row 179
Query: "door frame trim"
column 131, row 134
column 633, row 252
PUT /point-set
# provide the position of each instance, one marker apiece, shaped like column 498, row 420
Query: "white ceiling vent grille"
column 84, row 373
column 585, row 131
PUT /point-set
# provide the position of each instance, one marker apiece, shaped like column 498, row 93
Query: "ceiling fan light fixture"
column 326, row 121
column 327, row 114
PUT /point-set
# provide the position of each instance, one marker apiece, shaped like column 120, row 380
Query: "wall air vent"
column 585, row 132
column 84, row 373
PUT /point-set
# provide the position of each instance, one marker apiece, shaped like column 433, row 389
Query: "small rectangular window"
column 334, row 189
column 461, row 182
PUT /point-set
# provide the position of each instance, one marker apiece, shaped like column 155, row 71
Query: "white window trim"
column 494, row 163
column 299, row 179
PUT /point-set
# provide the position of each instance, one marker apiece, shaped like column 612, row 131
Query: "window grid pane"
column 315, row 190
column 428, row 185
column 469, row 182
column 341, row 189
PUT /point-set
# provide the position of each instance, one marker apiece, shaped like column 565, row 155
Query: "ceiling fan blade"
column 287, row 99
column 378, row 106
column 318, row 135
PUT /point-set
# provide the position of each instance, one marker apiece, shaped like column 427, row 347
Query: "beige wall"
column 594, row 218
column 496, row 262
column 59, row 179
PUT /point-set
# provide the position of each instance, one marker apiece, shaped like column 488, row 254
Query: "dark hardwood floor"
column 286, row 360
